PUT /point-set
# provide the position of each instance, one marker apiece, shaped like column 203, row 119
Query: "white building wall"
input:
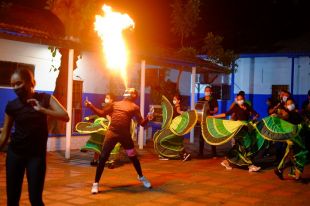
column 90, row 68
column 271, row 71
column 35, row 54
column 302, row 75
column 95, row 76
column 242, row 74
column 185, row 81
column 256, row 75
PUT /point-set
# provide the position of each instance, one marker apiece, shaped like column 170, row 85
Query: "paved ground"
column 196, row 182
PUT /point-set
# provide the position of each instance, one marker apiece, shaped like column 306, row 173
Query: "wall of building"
column 35, row 54
column 255, row 75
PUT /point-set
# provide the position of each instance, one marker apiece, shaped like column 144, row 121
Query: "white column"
column 142, row 102
column 193, row 84
column 69, row 103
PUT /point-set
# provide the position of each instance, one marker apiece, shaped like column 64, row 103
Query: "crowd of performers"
column 284, row 133
column 286, row 130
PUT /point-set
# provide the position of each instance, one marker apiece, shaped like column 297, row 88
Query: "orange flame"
column 110, row 27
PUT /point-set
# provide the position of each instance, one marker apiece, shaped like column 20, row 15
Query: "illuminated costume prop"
column 219, row 131
column 168, row 142
column 275, row 129
column 97, row 131
column 251, row 138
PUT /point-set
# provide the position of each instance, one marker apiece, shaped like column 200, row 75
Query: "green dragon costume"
column 168, row 142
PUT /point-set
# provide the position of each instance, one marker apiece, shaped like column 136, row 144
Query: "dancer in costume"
column 27, row 148
column 280, row 103
column 109, row 99
column 168, row 142
column 244, row 141
column 242, row 93
column 121, row 113
column 296, row 153
column 178, row 110
column 305, row 112
column 213, row 109
column 277, row 109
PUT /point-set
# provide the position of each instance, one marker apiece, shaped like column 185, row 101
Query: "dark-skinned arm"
column 100, row 112
column 6, row 130
column 55, row 109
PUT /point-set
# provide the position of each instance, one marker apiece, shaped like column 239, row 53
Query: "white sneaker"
column 253, row 168
column 95, row 188
column 162, row 158
column 145, row 182
column 226, row 165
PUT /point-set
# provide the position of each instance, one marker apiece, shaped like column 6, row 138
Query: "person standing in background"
column 109, row 99
column 213, row 109
column 178, row 110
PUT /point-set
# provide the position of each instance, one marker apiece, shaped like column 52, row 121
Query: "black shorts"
column 112, row 137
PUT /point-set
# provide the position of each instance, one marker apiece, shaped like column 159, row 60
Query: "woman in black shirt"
column 213, row 109
column 27, row 148
column 242, row 112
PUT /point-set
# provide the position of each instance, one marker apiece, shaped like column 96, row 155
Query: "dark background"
column 246, row 25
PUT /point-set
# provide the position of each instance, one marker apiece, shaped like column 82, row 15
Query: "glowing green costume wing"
column 168, row 142
column 276, row 129
column 167, row 112
column 97, row 130
column 219, row 131
column 183, row 123
column 100, row 125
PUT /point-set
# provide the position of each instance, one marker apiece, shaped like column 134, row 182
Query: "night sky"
column 246, row 25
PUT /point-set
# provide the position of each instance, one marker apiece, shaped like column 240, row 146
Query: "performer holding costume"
column 239, row 154
column 99, row 135
column 178, row 110
column 121, row 113
column 296, row 153
column 27, row 148
column 213, row 109
column 305, row 112
column 168, row 142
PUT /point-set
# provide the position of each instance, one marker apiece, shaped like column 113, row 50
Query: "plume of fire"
column 110, row 28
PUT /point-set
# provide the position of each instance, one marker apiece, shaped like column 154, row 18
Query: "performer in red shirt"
column 121, row 113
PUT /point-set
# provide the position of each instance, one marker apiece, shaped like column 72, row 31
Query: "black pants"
column 35, row 168
column 201, row 146
column 111, row 138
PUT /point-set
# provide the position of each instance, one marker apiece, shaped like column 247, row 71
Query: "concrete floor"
column 196, row 182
